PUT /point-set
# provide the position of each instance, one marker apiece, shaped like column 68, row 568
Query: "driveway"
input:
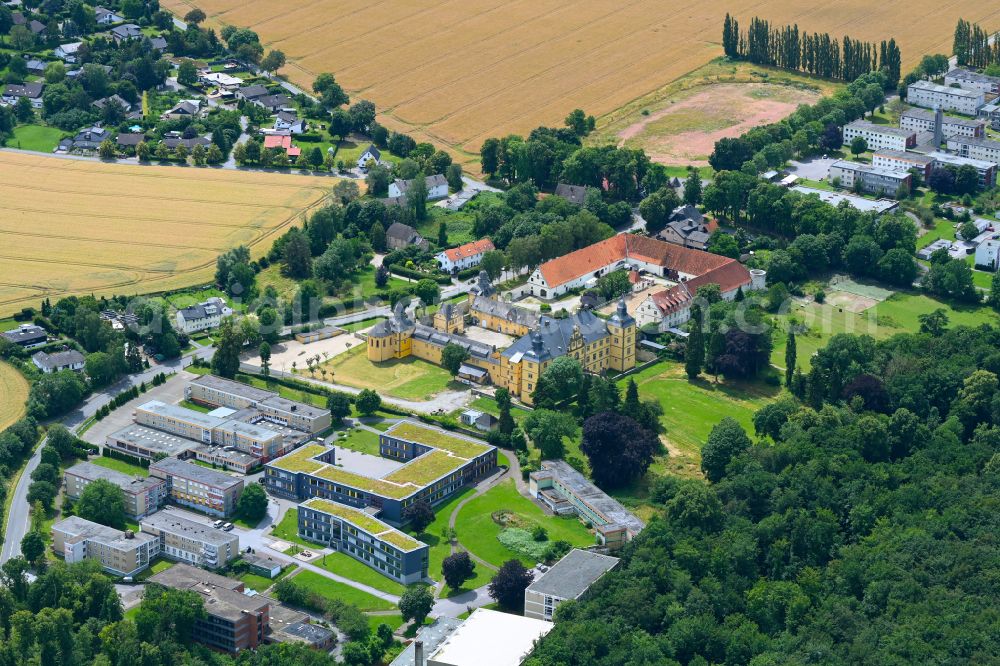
column 814, row 169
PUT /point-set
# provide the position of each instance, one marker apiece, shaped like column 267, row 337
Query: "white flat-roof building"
column 490, row 638
column 922, row 120
column 880, row 137
column 970, row 80
column 835, row 198
column 903, row 161
column 869, row 178
column 143, row 495
column 194, row 543
column 987, row 170
column 120, row 553
column 975, row 148
column 931, row 95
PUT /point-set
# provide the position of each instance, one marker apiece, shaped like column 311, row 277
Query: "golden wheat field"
column 458, row 71
column 81, row 227
column 14, row 391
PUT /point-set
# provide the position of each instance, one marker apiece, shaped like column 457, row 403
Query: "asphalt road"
column 19, row 520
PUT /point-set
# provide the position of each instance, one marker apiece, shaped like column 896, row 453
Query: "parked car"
column 217, row 524
column 227, row 527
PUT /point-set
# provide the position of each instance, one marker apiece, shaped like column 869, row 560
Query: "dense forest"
column 817, row 53
column 859, row 528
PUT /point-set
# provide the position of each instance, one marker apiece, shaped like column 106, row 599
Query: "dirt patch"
column 685, row 132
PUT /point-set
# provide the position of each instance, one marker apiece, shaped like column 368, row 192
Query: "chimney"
column 418, row 653
column 938, row 127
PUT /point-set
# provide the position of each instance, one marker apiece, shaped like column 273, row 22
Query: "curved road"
column 19, row 520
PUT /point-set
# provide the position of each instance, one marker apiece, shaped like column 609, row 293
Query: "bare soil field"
column 458, row 71
column 680, row 122
column 82, row 227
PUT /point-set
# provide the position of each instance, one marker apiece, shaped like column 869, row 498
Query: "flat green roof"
column 364, row 521
column 427, row 468
column 378, row 486
column 300, row 460
column 439, row 439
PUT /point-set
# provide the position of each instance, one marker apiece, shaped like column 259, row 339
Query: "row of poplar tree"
column 816, row 53
column 972, row 46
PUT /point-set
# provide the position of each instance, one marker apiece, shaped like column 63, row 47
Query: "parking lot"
column 170, row 392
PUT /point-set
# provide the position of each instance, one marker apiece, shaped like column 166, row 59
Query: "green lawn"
column 478, row 532
column 288, row 529
column 395, row 621
column 332, row 589
column 120, row 466
column 361, row 440
column 409, row 378
column 439, row 546
column 158, row 565
column 36, row 137
column 8, row 324
column 363, row 324
column 348, row 567
column 458, row 224
column 261, row 583
column 195, row 406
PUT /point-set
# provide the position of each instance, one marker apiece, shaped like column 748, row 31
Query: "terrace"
column 459, row 446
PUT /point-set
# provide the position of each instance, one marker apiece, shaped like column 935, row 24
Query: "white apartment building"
column 921, row 120
column 903, row 161
column 203, row 316
column 931, row 95
column 970, row 80
column 880, row 137
column 978, row 149
column 187, row 541
column 120, row 553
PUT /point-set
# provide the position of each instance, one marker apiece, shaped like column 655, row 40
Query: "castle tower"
column 621, row 326
column 449, row 319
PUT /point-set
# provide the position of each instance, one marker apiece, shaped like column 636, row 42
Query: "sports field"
column 82, row 227
column 458, row 71
column 14, row 389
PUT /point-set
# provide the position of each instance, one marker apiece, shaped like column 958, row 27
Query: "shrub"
column 523, row 542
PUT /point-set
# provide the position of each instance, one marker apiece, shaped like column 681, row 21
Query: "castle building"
column 599, row 345
column 493, row 314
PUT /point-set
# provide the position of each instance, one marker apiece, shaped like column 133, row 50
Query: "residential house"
column 273, row 103
column 370, row 154
column 174, row 139
column 870, row 179
column 90, row 139
column 931, row 96
column 922, row 120
column 122, row 103
column 400, row 235
column 36, row 66
column 282, row 142
column 287, row 121
column 129, row 140
column 668, row 309
column 68, row 52
column 143, row 495
column 464, row 256
column 12, row 92
column 567, row 580
column 36, row 27
column 158, row 44
column 188, row 108
column 64, row 360
column 250, row 93
column 106, row 16
column 119, row 553
column 575, row 194
column 188, row 541
column 687, row 227
column 125, row 32
column 969, row 80
column 26, row 336
column 880, row 137
column 221, row 79
column 437, row 187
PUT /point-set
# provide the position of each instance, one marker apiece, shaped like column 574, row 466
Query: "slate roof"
column 26, row 335
column 273, row 101
column 373, row 151
column 576, row 194
column 551, row 338
column 131, row 138
column 431, row 181
column 127, row 31
column 403, row 232
column 287, row 116
column 58, row 360
column 29, row 90
column 104, row 101
column 253, row 92
column 508, row 311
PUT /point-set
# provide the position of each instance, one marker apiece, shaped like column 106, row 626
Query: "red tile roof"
column 730, row 276
column 686, row 260
column 673, row 299
column 277, row 141
column 469, row 249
